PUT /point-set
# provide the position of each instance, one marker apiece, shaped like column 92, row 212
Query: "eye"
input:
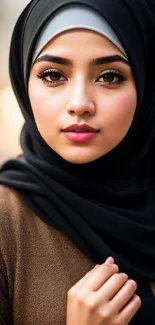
column 51, row 76
column 110, row 78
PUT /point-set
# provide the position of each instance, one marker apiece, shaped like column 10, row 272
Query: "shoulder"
column 19, row 225
column 12, row 209
column 10, row 202
column 14, row 214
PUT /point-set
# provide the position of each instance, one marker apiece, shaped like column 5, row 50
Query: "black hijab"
column 106, row 207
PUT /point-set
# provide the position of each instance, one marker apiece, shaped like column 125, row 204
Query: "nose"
column 81, row 100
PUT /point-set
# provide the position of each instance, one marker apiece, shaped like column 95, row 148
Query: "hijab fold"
column 106, row 207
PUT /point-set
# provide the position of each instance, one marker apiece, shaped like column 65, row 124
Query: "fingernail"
column 109, row 260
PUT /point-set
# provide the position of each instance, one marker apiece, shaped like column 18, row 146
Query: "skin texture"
column 81, row 95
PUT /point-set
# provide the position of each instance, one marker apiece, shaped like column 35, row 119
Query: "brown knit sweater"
column 38, row 265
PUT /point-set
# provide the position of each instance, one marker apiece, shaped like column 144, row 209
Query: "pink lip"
column 80, row 133
column 80, row 127
column 80, row 136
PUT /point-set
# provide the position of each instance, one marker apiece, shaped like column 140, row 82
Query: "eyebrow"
column 55, row 59
column 109, row 59
column 67, row 62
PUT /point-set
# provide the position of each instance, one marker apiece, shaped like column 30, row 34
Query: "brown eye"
column 51, row 76
column 108, row 77
column 111, row 78
column 54, row 76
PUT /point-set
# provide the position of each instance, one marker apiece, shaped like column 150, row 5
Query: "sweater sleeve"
column 5, row 308
column 6, row 256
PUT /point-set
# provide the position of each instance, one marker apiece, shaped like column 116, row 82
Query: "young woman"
column 82, row 193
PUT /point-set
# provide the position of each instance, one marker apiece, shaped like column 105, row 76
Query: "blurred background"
column 11, row 119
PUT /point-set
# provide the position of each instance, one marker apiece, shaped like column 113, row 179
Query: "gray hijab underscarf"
column 71, row 17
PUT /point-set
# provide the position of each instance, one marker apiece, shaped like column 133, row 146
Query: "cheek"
column 46, row 110
column 120, row 109
column 46, row 107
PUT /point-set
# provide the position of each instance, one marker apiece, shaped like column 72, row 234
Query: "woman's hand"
column 103, row 297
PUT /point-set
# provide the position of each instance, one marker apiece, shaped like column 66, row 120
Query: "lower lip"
column 80, row 137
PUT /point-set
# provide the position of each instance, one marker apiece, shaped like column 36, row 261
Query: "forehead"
column 73, row 41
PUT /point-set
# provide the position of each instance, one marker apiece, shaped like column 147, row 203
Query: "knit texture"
column 38, row 265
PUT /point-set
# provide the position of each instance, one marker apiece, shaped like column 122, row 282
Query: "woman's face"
column 80, row 81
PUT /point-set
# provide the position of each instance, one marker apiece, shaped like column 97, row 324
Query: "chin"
column 80, row 158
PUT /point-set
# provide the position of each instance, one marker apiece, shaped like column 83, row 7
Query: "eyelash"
column 111, row 73
column 48, row 73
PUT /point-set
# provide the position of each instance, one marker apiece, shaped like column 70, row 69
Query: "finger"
column 109, row 260
column 124, row 295
column 112, row 286
column 100, row 276
column 130, row 310
column 82, row 281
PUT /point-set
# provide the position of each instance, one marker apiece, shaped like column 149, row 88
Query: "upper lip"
column 80, row 127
